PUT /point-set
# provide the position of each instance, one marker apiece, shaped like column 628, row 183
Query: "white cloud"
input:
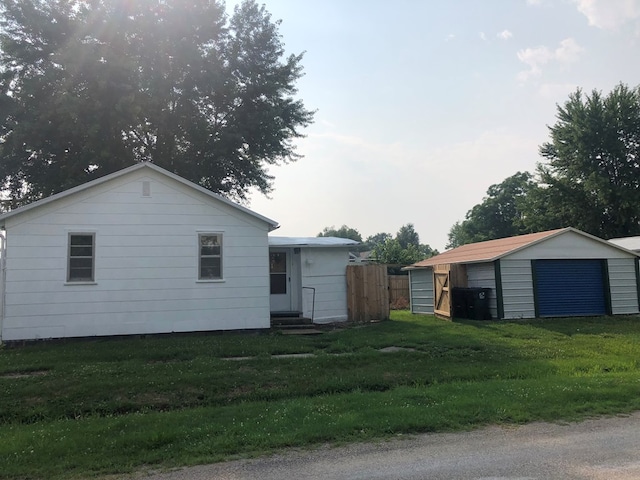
column 505, row 35
column 483, row 37
column 609, row 14
column 534, row 58
column 568, row 51
column 534, row 2
column 449, row 37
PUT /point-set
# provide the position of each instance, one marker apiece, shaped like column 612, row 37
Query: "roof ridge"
column 489, row 250
column 125, row 171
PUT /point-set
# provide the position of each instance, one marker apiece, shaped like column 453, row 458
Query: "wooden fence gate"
column 367, row 293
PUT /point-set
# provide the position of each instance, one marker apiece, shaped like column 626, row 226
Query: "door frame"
column 294, row 301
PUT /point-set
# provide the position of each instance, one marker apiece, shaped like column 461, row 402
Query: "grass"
column 87, row 408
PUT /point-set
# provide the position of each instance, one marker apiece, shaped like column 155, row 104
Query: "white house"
column 308, row 277
column 557, row 273
column 139, row 251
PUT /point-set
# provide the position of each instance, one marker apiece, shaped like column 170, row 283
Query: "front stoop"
column 293, row 325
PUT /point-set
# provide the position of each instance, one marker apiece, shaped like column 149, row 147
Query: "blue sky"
column 422, row 105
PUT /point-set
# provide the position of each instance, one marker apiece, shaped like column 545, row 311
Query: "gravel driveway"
column 598, row 449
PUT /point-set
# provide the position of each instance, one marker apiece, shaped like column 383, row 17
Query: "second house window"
column 210, row 256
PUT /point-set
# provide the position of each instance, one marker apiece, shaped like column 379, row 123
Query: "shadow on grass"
column 114, row 377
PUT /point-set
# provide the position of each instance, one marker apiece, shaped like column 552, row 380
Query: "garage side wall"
column 517, row 289
column 482, row 275
column 421, row 290
column 622, row 282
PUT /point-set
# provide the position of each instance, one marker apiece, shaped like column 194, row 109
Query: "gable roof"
column 311, row 242
column 125, row 171
column 492, row 250
column 630, row 243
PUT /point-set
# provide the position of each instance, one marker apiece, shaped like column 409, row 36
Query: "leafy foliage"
column 407, row 236
column 404, row 249
column 342, row 232
column 498, row 216
column 87, row 88
column 378, row 239
column 591, row 180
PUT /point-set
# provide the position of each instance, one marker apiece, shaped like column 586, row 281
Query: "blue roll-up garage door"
column 570, row 287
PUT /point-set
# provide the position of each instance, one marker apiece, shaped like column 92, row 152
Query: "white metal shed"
column 563, row 272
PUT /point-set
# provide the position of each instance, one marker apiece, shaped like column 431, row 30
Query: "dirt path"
column 598, row 449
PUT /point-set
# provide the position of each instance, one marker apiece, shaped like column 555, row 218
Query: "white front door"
column 280, row 280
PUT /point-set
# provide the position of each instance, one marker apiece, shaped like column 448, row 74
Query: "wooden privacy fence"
column 367, row 293
column 398, row 289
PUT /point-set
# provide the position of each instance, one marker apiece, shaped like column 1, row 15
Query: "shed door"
column 442, row 301
column 570, row 287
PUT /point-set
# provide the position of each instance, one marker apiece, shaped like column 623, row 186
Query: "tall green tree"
column 404, row 249
column 591, row 178
column 89, row 87
column 499, row 215
column 373, row 241
column 343, row 232
column 407, row 236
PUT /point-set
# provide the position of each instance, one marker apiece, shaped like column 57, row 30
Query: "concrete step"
column 300, row 331
column 291, row 322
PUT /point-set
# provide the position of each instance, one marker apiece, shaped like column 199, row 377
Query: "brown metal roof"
column 487, row 251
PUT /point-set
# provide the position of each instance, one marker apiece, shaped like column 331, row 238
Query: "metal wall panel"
column 517, row 289
column 624, row 289
column 483, row 275
column 421, row 285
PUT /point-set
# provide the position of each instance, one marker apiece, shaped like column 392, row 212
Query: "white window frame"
column 70, row 256
column 201, row 256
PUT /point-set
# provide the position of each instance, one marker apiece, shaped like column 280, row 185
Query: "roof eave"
column 527, row 245
column 306, row 245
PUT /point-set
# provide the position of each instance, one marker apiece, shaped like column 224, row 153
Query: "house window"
column 210, row 253
column 82, row 255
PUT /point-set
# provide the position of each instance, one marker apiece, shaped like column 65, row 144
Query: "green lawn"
column 80, row 408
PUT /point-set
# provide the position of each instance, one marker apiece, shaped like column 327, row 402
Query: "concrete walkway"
column 599, row 449
column 391, row 349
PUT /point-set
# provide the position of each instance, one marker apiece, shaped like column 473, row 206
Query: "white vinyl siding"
column 622, row 283
column 517, row 289
column 421, row 290
column 325, row 271
column 146, row 264
column 482, row 275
